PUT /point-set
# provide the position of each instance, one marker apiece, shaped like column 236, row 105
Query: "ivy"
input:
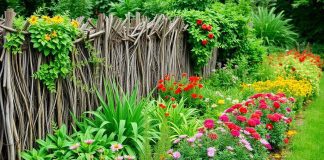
column 53, row 37
column 14, row 41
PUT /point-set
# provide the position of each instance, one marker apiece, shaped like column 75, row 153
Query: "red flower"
column 235, row 106
column 210, row 35
column 209, row 124
column 204, row 27
column 243, row 110
column 166, row 97
column 241, row 118
column 173, row 99
column 177, row 91
column 286, row 140
column 184, row 75
column 250, row 130
column 174, row 105
column 160, row 81
column 253, row 122
column 232, row 126
column 167, row 77
column 162, row 106
column 224, row 118
column 199, row 22
column 256, row 136
column 204, row 42
column 274, row 117
column 235, row 133
column 194, row 95
column 200, row 97
column 189, row 87
column 276, row 104
column 293, row 69
column 212, row 136
column 201, row 130
column 194, row 79
column 200, row 86
column 269, row 126
column 209, row 28
column 167, row 114
column 160, row 86
column 163, row 89
column 254, row 115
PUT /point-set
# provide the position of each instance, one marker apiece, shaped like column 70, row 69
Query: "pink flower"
column 176, row 141
column 199, row 135
column 209, row 124
column 170, row 151
column 129, row 157
column 176, row 155
column 224, row 118
column 119, row 158
column 116, row 147
column 288, row 109
column 89, row 141
column 235, row 133
column 253, row 122
column 292, row 99
column 241, row 118
column 229, row 148
column 211, row 152
column 183, row 136
column 74, row 146
column 191, row 140
column 276, row 104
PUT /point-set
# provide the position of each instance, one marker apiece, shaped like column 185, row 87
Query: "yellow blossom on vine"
column 47, row 37
column 57, row 19
column 54, row 34
column 33, row 20
column 75, row 23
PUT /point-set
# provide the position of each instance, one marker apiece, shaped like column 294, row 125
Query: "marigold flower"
column 33, row 20
column 57, row 19
column 47, row 37
column 54, row 34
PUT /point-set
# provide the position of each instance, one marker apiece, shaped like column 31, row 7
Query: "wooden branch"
column 12, row 30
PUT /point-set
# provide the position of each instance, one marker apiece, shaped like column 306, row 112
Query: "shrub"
column 273, row 28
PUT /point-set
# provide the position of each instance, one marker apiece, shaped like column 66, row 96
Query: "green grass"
column 308, row 143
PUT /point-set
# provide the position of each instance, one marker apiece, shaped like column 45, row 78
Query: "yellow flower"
column 221, row 101
column 54, row 34
column 290, row 133
column 75, row 23
column 46, row 19
column 33, row 20
column 47, row 37
column 277, row 156
column 57, row 19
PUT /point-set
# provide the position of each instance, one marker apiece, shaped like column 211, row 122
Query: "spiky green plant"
column 274, row 29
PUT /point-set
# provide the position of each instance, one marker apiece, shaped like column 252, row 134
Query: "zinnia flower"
column 209, row 124
column 243, row 110
column 212, row 136
column 116, row 147
column 235, row 133
column 224, row 118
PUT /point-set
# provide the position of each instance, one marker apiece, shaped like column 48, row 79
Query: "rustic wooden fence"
column 131, row 51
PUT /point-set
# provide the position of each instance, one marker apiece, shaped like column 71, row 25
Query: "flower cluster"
column 249, row 128
column 206, row 28
column 306, row 55
column 295, row 88
column 187, row 87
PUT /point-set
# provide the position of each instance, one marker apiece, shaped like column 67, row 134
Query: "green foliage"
column 75, row 8
column 163, row 143
column 54, row 38
column 14, row 41
column 121, row 118
column 122, row 7
column 91, row 144
column 200, row 5
column 273, row 28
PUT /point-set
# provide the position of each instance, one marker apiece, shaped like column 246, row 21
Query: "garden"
column 161, row 80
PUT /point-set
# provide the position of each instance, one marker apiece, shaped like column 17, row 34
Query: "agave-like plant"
column 273, row 29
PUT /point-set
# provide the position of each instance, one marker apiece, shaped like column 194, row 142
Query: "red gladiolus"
column 177, row 91
column 162, row 106
column 243, row 110
column 276, row 104
column 204, row 42
column 210, row 35
column 174, row 105
column 194, row 95
column 173, row 99
column 209, row 124
column 235, row 133
column 204, row 27
column 199, row 22
column 269, row 126
column 212, row 136
column 241, row 118
column 167, row 114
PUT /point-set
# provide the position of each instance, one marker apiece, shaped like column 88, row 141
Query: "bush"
column 273, row 28
column 75, row 8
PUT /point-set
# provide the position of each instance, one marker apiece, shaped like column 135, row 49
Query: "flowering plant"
column 54, row 38
column 189, row 88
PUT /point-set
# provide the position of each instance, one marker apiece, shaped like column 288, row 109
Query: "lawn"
column 307, row 143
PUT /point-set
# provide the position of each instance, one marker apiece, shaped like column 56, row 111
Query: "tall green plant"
column 120, row 115
column 273, row 28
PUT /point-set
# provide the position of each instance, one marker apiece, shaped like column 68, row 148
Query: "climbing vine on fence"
column 53, row 37
column 14, row 41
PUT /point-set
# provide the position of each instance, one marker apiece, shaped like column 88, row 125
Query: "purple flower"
column 176, row 155
column 211, row 151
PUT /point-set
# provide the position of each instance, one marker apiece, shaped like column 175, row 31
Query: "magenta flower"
column 224, row 118
column 209, row 123
column 235, row 133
